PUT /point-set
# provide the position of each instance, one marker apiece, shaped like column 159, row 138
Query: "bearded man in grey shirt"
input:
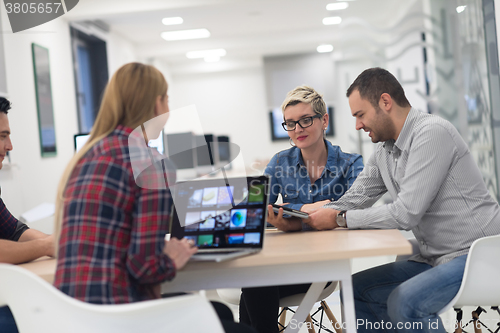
column 438, row 193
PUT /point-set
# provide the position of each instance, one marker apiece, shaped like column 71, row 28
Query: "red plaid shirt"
column 113, row 231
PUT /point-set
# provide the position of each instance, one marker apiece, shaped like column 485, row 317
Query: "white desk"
column 287, row 258
column 292, row 258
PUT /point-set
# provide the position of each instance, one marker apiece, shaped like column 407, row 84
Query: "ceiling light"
column 324, row 48
column 212, row 58
column 332, row 20
column 206, row 53
column 460, row 9
column 337, row 6
column 185, row 34
column 172, row 20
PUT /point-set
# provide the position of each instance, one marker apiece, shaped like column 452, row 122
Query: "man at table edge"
column 18, row 243
column 438, row 193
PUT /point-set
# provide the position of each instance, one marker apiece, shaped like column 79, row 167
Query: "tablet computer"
column 290, row 212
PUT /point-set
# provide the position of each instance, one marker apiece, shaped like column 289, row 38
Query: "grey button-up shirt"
column 437, row 190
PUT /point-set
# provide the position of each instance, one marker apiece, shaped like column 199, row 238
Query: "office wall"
column 30, row 179
column 235, row 103
column 229, row 103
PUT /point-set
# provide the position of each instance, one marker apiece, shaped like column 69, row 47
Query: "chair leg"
column 310, row 325
column 282, row 318
column 458, row 323
column 336, row 326
column 475, row 322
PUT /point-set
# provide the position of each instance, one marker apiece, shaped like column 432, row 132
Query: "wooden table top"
column 294, row 247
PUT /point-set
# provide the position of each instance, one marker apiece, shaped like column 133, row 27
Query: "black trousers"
column 227, row 320
column 259, row 306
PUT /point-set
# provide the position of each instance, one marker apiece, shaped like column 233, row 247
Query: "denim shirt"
column 289, row 176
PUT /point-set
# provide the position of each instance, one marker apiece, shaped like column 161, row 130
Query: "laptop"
column 225, row 218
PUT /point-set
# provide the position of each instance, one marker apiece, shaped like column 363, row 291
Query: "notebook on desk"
column 225, row 217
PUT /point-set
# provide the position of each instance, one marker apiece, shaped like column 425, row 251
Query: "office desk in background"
column 287, row 258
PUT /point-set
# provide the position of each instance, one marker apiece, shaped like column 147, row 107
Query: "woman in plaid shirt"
column 112, row 227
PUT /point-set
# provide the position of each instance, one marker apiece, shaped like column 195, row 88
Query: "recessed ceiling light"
column 324, row 48
column 206, row 53
column 185, row 34
column 332, row 20
column 460, row 9
column 172, row 20
column 337, row 6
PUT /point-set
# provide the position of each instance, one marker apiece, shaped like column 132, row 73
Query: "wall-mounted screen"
column 44, row 104
column 277, row 131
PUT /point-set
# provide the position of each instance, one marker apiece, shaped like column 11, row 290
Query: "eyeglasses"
column 304, row 122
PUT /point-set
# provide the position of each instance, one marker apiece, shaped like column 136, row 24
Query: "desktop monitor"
column 180, row 151
column 206, row 154
column 79, row 140
column 158, row 144
column 224, row 151
column 277, row 131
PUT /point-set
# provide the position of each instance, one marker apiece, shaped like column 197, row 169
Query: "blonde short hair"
column 307, row 95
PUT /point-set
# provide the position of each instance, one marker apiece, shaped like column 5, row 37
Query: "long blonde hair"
column 129, row 100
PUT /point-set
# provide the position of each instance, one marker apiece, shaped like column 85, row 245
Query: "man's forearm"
column 18, row 252
column 31, row 234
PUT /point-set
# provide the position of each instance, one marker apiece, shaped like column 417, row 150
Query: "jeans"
column 7, row 322
column 405, row 296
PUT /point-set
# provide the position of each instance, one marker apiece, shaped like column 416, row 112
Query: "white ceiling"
column 247, row 29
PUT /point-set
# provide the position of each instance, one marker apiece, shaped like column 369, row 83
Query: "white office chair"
column 232, row 296
column 480, row 285
column 37, row 307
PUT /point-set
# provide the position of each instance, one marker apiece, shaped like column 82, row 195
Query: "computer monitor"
column 180, row 151
column 277, row 131
column 158, row 144
column 79, row 140
column 224, row 151
column 206, row 154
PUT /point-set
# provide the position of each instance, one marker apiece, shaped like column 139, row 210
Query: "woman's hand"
column 179, row 251
column 290, row 224
column 309, row 208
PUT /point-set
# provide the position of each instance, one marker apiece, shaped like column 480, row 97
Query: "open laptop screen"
column 221, row 213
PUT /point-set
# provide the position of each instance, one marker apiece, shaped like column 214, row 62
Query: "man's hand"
column 28, row 249
column 309, row 208
column 323, row 219
column 290, row 224
column 179, row 251
column 50, row 245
